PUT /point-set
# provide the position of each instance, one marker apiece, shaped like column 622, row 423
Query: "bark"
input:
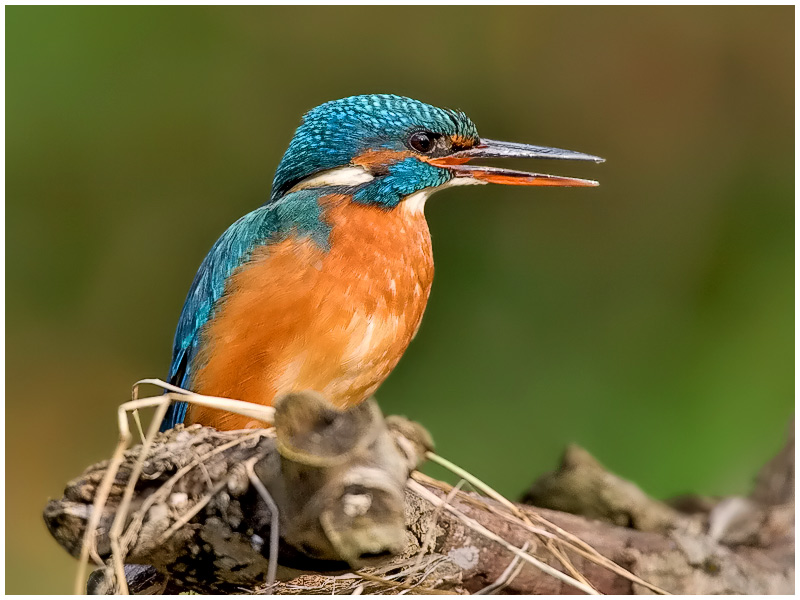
column 337, row 479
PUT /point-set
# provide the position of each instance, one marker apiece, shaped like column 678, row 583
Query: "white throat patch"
column 415, row 203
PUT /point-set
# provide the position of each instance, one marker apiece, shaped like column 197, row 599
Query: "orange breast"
column 297, row 317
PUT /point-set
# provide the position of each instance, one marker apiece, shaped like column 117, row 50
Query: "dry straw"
column 417, row 569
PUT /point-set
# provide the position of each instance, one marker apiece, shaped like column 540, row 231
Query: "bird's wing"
column 298, row 212
column 230, row 251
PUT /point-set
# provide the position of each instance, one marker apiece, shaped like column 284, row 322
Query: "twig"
column 492, row 493
column 119, row 520
column 575, row 543
column 248, row 409
column 255, row 411
column 431, row 532
column 515, row 566
column 107, row 482
column 477, row 527
column 162, row 492
column 189, row 514
column 272, row 566
column 399, row 584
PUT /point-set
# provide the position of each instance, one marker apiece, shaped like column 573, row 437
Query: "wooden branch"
column 199, row 523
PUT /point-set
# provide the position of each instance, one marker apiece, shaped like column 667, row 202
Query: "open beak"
column 493, row 149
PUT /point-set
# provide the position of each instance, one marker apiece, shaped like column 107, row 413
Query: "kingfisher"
column 324, row 286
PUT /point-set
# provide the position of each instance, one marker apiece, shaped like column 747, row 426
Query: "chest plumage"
column 333, row 318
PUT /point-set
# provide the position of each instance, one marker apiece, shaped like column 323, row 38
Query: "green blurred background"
column 650, row 320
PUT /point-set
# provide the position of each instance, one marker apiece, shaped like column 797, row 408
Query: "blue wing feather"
column 298, row 212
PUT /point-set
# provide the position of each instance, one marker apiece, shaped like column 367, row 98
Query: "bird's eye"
column 421, row 141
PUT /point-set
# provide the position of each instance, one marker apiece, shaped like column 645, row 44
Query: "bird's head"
column 383, row 148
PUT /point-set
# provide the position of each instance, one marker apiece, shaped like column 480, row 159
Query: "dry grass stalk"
column 121, row 538
column 161, row 404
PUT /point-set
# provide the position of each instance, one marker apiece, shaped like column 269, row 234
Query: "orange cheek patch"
column 373, row 160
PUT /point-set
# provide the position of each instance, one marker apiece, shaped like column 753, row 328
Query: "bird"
column 324, row 286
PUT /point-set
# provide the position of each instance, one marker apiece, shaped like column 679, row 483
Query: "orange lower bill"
column 508, row 176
